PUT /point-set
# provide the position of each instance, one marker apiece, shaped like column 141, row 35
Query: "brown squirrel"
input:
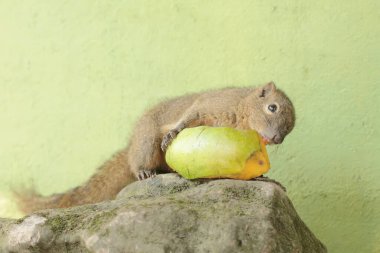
column 265, row 109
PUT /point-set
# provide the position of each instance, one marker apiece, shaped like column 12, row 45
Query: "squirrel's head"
column 271, row 113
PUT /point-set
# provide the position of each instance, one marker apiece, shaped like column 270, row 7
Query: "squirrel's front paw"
column 167, row 139
column 267, row 179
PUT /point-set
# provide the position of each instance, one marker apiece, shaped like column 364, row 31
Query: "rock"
column 170, row 214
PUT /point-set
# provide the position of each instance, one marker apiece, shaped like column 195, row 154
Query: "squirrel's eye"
column 272, row 108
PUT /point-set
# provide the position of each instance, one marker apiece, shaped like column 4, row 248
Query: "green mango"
column 213, row 152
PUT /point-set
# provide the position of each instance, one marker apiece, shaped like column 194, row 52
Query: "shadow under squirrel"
column 265, row 109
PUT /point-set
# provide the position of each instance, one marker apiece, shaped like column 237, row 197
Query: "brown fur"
column 242, row 108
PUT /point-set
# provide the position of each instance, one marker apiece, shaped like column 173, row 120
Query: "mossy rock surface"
column 168, row 213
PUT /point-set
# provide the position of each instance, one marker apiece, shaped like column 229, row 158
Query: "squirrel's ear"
column 266, row 89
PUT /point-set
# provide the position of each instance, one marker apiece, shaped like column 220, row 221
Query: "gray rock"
column 170, row 214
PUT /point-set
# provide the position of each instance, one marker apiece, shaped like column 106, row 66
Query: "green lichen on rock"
column 99, row 219
column 64, row 223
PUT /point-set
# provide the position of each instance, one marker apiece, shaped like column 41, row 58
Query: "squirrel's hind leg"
column 145, row 154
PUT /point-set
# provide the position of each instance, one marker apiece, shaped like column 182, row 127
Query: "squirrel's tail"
column 110, row 178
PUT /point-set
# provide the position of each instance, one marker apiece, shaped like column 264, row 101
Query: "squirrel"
column 265, row 109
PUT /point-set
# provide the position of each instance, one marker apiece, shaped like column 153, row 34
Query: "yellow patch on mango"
column 256, row 165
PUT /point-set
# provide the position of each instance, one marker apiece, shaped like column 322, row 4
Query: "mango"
column 218, row 152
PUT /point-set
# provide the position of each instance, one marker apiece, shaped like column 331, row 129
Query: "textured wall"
column 75, row 75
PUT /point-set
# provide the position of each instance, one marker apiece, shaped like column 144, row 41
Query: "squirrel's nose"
column 277, row 139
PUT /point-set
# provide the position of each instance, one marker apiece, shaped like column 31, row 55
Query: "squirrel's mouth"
column 271, row 141
column 267, row 140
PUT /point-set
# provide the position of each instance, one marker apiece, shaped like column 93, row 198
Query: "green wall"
column 75, row 75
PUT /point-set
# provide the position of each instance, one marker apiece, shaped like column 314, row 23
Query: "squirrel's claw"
column 145, row 174
column 167, row 139
column 267, row 179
